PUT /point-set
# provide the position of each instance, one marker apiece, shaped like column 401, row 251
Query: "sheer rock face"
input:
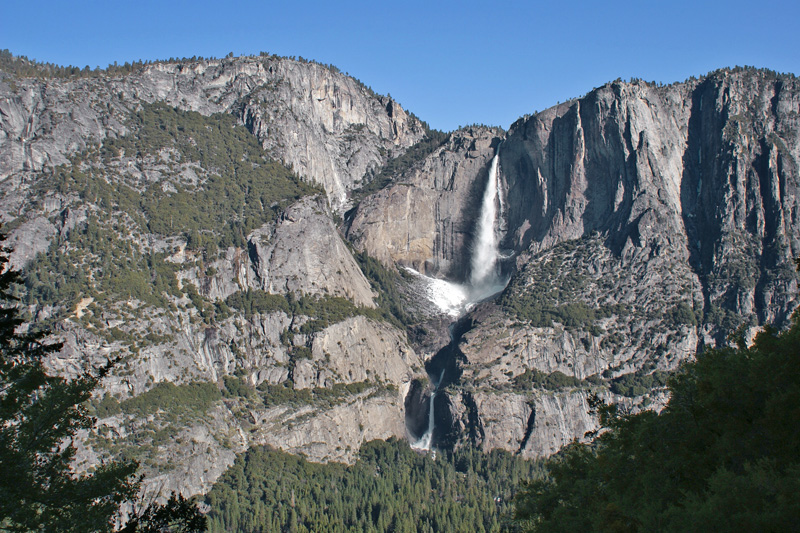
column 303, row 253
column 425, row 219
column 335, row 434
column 325, row 125
column 533, row 427
column 354, row 350
column 700, row 174
column 667, row 214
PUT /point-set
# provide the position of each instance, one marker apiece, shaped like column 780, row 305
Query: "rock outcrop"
column 303, row 254
column 325, row 125
column 426, row 218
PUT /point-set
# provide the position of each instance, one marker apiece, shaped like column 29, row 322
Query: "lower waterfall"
column 424, row 442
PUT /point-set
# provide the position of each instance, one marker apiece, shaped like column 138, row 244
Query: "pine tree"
column 40, row 415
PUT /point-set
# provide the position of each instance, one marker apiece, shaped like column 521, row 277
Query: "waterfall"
column 484, row 278
column 484, row 252
column 424, row 442
column 454, row 298
column 484, row 281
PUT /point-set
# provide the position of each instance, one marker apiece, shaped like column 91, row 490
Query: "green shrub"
column 638, row 383
column 682, row 314
column 173, row 401
column 286, row 394
column 557, row 380
column 237, row 387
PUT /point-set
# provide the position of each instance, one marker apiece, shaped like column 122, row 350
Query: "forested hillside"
column 389, row 488
column 721, row 456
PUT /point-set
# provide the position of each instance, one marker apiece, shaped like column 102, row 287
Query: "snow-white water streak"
column 484, row 250
column 424, row 442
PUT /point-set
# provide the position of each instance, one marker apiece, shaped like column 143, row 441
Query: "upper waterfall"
column 484, row 252
column 484, row 279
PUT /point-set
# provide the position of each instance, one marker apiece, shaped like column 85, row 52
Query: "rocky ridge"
column 326, row 126
column 641, row 223
column 646, row 222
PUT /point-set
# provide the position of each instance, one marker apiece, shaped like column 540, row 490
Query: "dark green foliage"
column 638, row 383
column 39, row 416
column 236, row 387
column 554, row 381
column 237, row 190
column 107, row 406
column 725, row 319
column 385, row 283
column 551, row 290
column 156, row 417
column 242, row 188
column 542, row 312
column 723, row 455
column 178, row 515
column 285, row 393
column 97, row 262
column 256, row 301
column 389, row 488
column 683, row 314
column 327, row 311
column 324, row 311
column 191, row 399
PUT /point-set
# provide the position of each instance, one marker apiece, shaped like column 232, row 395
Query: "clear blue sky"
column 451, row 63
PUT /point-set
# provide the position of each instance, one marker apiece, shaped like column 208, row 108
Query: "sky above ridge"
column 451, row 63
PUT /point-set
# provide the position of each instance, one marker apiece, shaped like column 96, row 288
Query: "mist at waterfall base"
column 455, row 299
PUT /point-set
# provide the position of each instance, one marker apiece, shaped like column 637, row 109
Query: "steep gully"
column 485, row 280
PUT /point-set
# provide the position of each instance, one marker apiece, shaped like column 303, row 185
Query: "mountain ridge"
column 111, row 189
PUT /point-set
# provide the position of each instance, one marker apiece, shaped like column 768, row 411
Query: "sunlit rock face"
column 634, row 225
column 426, row 218
column 303, row 253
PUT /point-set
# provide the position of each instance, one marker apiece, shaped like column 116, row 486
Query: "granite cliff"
column 212, row 223
column 647, row 222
